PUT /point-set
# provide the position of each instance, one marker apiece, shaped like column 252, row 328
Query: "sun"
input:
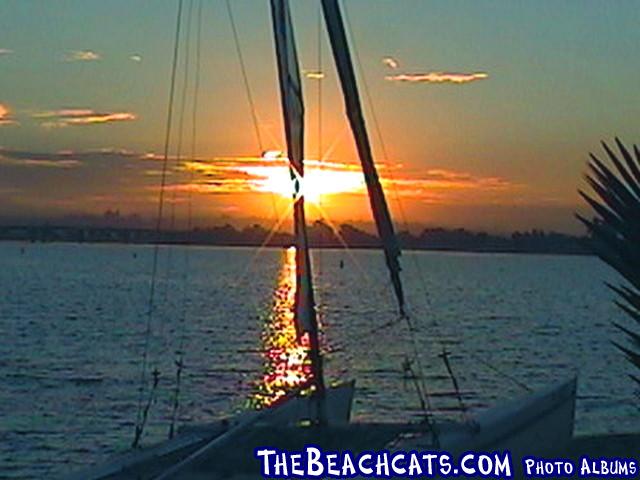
column 320, row 180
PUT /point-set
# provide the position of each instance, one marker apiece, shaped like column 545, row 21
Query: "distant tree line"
column 320, row 235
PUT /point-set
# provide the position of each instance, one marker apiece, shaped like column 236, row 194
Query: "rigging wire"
column 319, row 301
column 338, row 347
column 142, row 413
column 279, row 216
column 319, row 67
column 421, row 387
column 178, row 156
column 499, row 371
column 180, row 352
column 425, row 296
column 245, row 78
column 250, row 101
column 322, row 156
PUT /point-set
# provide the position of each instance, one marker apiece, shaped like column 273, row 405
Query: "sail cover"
column 293, row 111
column 384, row 225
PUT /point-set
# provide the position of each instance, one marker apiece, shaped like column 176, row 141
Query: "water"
column 73, row 317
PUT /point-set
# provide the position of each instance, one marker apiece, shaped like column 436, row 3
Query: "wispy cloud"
column 67, row 158
column 17, row 158
column 444, row 179
column 96, row 179
column 39, row 163
column 313, row 74
column 81, row 117
column 391, row 62
column 82, row 56
column 85, row 180
column 438, row 77
column 230, row 175
column 136, row 58
column 5, row 51
column 269, row 173
column 5, row 116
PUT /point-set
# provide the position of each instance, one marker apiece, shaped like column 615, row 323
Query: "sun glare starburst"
column 318, row 181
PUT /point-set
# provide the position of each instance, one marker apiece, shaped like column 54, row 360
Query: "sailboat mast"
column 344, row 65
column 293, row 113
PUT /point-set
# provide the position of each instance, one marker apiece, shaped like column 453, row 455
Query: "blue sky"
column 561, row 76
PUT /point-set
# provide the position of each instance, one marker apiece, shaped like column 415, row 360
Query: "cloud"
column 269, row 173
column 391, row 62
column 5, row 116
column 17, row 158
column 136, row 58
column 39, row 163
column 443, row 186
column 81, row 117
column 430, row 77
column 229, row 175
column 313, row 74
column 73, row 182
column 66, row 158
column 82, row 56
column 444, row 179
column 438, row 77
column 5, row 51
column 109, row 177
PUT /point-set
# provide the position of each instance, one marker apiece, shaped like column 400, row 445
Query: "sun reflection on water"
column 286, row 357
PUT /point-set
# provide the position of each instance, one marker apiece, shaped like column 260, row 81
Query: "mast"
column 293, row 113
column 344, row 65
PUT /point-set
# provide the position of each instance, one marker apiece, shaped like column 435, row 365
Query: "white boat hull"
column 186, row 449
column 534, row 424
column 537, row 424
column 337, row 407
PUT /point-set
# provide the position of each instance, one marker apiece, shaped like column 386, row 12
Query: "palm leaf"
column 615, row 232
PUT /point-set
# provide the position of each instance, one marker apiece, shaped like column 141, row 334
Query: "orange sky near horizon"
column 475, row 131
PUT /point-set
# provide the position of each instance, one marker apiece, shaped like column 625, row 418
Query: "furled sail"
column 342, row 56
column 293, row 111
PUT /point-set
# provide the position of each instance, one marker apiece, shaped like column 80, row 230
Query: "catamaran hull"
column 196, row 443
column 538, row 424
column 336, row 408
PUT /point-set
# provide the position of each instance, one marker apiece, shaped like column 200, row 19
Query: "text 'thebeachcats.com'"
column 314, row 462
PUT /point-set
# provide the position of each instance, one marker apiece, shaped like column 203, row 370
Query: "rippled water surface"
column 73, row 321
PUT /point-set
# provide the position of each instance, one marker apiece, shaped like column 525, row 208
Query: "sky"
column 481, row 113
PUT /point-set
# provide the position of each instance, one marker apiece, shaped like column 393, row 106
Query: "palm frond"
column 615, row 231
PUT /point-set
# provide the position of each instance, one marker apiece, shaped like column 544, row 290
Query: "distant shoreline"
column 320, row 237
column 313, row 247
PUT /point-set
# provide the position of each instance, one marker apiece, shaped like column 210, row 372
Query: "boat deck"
column 229, row 461
column 537, row 424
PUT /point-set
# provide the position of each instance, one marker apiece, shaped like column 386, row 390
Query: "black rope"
column 319, row 297
column 179, row 361
column 445, row 358
column 142, row 414
column 176, row 397
column 245, row 77
column 145, row 411
column 178, row 156
column 250, row 101
column 500, row 372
